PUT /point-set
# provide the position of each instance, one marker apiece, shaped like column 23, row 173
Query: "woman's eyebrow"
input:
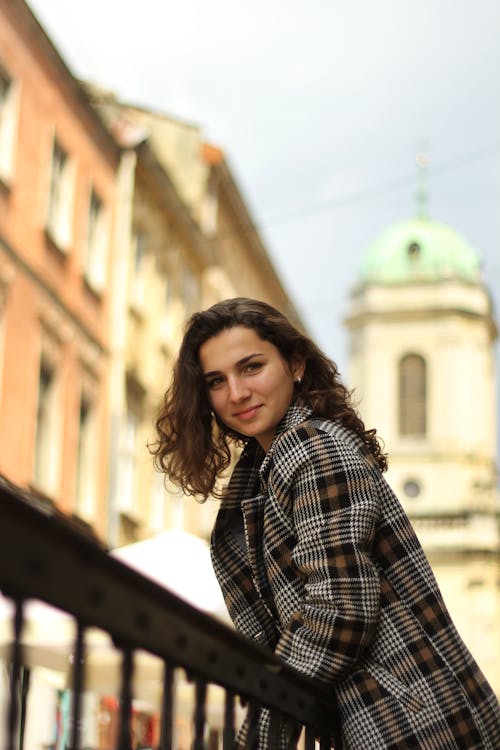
column 239, row 363
column 244, row 360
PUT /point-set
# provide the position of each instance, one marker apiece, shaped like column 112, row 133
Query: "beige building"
column 421, row 359
column 188, row 240
column 115, row 225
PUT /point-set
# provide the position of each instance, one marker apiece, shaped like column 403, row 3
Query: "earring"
column 299, row 380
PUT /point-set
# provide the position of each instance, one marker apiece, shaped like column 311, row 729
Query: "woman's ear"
column 298, row 369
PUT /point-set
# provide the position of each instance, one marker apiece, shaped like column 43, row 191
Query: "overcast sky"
column 320, row 107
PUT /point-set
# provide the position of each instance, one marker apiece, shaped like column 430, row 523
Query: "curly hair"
column 193, row 446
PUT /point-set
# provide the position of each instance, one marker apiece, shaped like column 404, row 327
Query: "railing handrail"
column 43, row 555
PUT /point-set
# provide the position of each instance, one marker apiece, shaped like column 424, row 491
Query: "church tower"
column 421, row 335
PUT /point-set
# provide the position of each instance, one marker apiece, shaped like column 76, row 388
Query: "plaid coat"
column 333, row 579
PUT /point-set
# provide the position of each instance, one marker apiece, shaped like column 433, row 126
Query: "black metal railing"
column 44, row 556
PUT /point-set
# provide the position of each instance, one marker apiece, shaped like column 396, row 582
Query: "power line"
column 382, row 188
column 257, row 228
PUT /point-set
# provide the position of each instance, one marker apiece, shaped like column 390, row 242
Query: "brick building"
column 115, row 224
column 57, row 207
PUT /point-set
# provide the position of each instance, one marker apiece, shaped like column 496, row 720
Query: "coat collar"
column 253, row 465
column 295, row 415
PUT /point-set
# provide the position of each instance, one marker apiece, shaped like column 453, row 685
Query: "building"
column 115, row 225
column 58, row 196
column 188, row 241
column 422, row 330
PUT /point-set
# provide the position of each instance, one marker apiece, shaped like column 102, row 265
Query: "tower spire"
column 421, row 193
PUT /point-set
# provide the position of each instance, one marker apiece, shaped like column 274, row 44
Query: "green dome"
column 419, row 250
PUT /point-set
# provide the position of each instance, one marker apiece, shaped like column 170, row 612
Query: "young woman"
column 314, row 554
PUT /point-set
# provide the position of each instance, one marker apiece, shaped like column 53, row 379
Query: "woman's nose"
column 238, row 390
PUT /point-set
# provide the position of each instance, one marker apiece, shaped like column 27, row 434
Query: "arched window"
column 412, row 395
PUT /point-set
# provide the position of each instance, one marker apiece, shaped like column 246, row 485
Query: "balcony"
column 118, row 641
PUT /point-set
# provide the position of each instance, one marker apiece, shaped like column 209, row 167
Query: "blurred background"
column 321, row 108
column 340, row 161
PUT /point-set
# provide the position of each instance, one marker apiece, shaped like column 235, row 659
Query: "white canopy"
column 181, row 563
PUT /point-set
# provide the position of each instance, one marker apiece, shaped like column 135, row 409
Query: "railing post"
column 23, row 700
column 199, row 714
column 253, row 726
column 15, row 676
column 77, row 687
column 228, row 732
column 167, row 709
column 275, row 724
column 310, row 739
column 125, row 726
column 325, row 744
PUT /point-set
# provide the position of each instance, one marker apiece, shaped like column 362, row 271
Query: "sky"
column 320, row 107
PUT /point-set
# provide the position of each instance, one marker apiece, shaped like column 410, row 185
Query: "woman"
column 314, row 554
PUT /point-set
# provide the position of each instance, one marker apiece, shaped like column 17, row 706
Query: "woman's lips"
column 247, row 413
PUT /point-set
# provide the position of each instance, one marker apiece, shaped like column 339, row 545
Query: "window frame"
column 9, row 120
column 85, row 480
column 59, row 215
column 412, row 395
column 46, row 458
column 96, row 242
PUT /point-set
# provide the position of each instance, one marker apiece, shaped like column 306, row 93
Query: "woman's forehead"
column 230, row 346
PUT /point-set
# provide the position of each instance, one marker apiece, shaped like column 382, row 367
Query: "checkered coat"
column 334, row 580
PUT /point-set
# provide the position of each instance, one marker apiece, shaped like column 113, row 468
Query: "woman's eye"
column 214, row 383
column 253, row 366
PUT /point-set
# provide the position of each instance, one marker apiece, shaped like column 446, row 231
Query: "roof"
column 419, row 250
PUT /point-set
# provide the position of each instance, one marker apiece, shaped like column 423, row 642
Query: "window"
column 96, row 245
column 413, row 250
column 412, row 488
column 209, row 207
column 157, row 516
column 85, row 479
column 165, row 323
column 139, row 250
column 46, row 470
column 190, row 290
column 412, row 396
column 8, row 125
column 127, row 464
column 168, row 292
column 60, row 205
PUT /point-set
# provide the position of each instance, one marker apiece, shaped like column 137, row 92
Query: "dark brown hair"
column 194, row 447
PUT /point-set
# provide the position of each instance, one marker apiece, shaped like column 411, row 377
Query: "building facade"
column 115, row 225
column 57, row 217
column 190, row 242
column 422, row 331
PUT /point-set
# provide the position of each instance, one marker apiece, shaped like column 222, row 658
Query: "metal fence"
column 45, row 556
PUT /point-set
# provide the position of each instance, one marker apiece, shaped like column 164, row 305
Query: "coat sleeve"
column 328, row 488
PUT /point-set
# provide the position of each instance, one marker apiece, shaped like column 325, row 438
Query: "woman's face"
column 249, row 384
